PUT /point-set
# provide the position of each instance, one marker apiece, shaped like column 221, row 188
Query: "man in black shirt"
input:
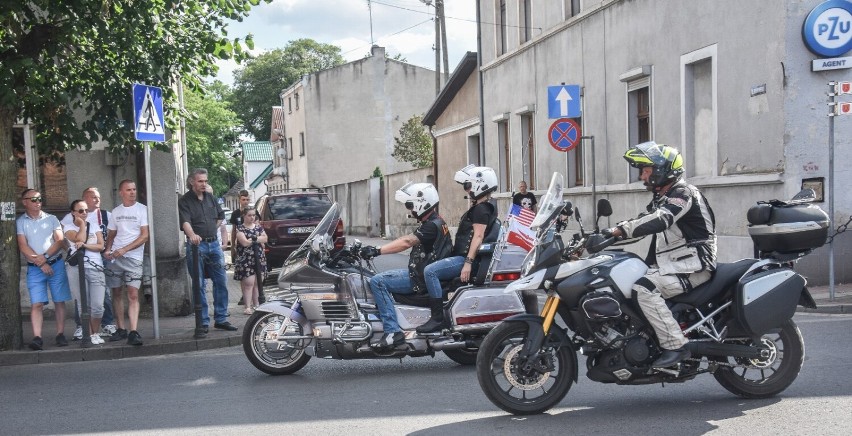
column 429, row 243
column 200, row 216
column 524, row 198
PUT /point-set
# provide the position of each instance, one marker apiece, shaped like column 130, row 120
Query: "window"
column 572, row 8
column 297, row 101
column 528, row 150
column 301, row 143
column 505, row 155
column 638, row 116
column 290, row 104
column 474, row 151
column 699, row 119
column 502, row 42
column 290, row 148
column 526, row 13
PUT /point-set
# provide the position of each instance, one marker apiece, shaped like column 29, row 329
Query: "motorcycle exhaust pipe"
column 451, row 344
column 733, row 350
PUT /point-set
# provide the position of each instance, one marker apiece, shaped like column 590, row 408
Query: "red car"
column 289, row 217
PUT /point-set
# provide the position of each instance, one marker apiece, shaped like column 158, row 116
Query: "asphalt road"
column 219, row 392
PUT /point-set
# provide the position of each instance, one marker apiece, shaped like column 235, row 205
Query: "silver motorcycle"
column 324, row 307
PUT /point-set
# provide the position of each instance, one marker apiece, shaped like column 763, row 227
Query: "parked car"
column 289, row 217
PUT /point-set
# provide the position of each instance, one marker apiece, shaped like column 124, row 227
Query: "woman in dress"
column 89, row 238
column 249, row 233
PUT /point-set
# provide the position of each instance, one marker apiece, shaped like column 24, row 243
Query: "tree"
column 414, row 144
column 258, row 85
column 212, row 131
column 67, row 70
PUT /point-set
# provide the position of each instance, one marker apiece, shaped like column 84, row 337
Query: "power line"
column 453, row 18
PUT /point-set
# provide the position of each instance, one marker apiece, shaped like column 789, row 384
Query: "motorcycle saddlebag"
column 787, row 228
column 767, row 299
column 599, row 305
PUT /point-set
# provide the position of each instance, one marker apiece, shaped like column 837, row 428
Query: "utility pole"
column 370, row 9
column 437, row 52
column 439, row 12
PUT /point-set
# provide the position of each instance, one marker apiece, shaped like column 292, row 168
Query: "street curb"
column 155, row 348
column 828, row 308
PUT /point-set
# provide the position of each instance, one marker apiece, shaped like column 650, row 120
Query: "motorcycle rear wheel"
column 289, row 356
column 767, row 377
column 511, row 389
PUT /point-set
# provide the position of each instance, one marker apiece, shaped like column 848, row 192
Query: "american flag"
column 520, row 234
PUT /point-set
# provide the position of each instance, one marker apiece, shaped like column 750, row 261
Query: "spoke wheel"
column 784, row 354
column 519, row 387
column 269, row 353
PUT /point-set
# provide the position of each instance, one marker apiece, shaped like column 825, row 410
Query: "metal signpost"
column 835, row 109
column 149, row 126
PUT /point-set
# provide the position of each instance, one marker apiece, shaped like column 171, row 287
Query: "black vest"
column 422, row 256
column 464, row 234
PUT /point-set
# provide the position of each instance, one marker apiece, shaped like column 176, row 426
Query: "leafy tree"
column 258, row 85
column 413, row 145
column 212, row 131
column 67, row 68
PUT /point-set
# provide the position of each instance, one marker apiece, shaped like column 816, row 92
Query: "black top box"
column 787, row 228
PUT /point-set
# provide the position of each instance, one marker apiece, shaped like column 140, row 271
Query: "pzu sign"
column 827, row 30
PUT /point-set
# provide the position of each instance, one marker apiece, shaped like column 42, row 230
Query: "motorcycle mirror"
column 806, row 195
column 604, row 208
column 568, row 209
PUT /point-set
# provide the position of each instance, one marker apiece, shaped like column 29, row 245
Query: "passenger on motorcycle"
column 429, row 243
column 479, row 183
column 683, row 249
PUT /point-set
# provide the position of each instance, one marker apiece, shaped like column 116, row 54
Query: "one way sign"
column 563, row 101
column 148, row 113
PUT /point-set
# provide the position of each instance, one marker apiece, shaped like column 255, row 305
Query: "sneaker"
column 119, row 335
column 61, row 341
column 96, row 339
column 78, row 333
column 134, row 338
column 390, row 340
column 37, row 343
column 108, row 329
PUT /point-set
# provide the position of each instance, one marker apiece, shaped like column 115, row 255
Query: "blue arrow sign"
column 148, row 120
column 563, row 101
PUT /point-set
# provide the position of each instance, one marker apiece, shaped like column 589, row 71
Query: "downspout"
column 481, row 92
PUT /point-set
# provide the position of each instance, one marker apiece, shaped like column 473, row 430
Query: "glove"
column 607, row 233
column 368, row 252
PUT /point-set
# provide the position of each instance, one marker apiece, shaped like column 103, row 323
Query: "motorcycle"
column 325, row 307
column 739, row 324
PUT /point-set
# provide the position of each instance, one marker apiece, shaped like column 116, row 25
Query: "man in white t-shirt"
column 125, row 246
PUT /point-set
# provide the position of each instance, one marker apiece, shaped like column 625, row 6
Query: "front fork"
column 535, row 336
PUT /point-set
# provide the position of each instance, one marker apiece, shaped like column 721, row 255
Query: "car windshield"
column 299, row 207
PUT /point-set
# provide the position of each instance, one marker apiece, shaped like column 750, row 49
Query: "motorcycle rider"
column 479, row 183
column 683, row 249
column 429, row 243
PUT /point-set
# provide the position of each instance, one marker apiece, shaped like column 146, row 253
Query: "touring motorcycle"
column 739, row 324
column 324, row 307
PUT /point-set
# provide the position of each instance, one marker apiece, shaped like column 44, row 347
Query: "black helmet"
column 666, row 161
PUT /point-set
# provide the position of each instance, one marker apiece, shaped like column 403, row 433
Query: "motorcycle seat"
column 726, row 275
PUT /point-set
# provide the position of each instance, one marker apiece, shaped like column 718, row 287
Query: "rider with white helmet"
column 429, row 243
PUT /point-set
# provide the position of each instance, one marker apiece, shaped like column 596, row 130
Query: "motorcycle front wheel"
column 269, row 353
column 511, row 387
column 766, row 377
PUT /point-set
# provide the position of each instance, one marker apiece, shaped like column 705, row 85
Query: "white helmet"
column 478, row 180
column 419, row 198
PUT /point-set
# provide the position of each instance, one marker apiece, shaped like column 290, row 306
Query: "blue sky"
column 401, row 26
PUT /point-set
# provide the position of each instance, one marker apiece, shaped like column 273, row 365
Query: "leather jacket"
column 420, row 256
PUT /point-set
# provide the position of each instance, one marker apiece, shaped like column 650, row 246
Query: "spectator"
column 200, row 216
column 125, row 247
column 524, row 198
column 249, row 233
column 40, row 241
column 81, row 234
column 236, row 220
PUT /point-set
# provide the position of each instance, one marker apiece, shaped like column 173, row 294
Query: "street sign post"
column 563, row 101
column 564, row 134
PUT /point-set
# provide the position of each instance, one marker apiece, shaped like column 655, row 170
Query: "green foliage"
column 377, row 172
column 257, row 86
column 212, row 131
column 414, row 144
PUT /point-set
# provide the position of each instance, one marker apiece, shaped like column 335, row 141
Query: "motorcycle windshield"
column 550, row 205
column 299, row 258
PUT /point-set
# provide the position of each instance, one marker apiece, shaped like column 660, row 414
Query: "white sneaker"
column 96, row 339
column 78, row 334
column 108, row 329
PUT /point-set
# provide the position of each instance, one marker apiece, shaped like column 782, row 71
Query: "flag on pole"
column 520, row 234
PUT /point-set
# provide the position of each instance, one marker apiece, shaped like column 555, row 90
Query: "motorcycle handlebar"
column 597, row 242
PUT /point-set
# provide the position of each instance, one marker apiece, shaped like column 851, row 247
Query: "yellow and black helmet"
column 666, row 161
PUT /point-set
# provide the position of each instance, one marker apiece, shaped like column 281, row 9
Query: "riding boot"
column 437, row 321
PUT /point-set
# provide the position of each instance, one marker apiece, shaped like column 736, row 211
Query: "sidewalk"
column 176, row 332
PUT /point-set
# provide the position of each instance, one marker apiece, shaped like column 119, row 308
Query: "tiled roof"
column 260, row 151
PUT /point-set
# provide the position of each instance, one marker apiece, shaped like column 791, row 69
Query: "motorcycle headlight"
column 528, row 263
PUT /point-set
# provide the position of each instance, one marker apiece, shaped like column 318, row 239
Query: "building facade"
column 729, row 83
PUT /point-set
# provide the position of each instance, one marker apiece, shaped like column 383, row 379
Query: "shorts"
column 124, row 270
column 38, row 283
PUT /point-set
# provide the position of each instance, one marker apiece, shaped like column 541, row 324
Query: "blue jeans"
column 444, row 269
column 212, row 265
column 394, row 281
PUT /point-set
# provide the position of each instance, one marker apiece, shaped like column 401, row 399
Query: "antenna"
column 370, row 8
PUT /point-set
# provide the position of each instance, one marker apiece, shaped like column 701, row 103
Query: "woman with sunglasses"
column 81, row 235
column 249, row 233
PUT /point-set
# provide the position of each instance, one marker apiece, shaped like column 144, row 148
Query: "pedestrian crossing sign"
column 148, row 120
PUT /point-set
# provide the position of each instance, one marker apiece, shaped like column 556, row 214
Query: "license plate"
column 302, row 229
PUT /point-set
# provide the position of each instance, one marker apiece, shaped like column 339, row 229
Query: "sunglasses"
column 82, row 210
column 34, row 199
